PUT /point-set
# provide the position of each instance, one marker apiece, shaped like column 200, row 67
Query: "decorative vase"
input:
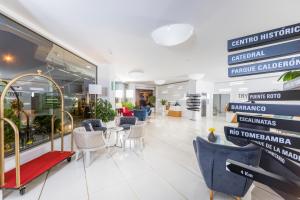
column 212, row 137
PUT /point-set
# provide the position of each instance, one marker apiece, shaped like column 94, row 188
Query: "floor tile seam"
column 126, row 180
column 86, row 181
column 184, row 166
column 44, row 183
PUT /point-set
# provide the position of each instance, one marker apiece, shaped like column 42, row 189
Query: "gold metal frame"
column 17, row 140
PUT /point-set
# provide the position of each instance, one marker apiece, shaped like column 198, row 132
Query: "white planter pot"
column 163, row 110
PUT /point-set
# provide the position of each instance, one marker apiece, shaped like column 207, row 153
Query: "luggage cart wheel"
column 22, row 190
column 69, row 159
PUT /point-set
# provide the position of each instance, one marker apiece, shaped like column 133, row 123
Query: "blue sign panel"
column 265, row 67
column 262, row 136
column 264, row 53
column 264, row 37
column 275, row 109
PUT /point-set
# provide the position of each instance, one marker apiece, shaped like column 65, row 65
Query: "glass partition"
column 32, row 101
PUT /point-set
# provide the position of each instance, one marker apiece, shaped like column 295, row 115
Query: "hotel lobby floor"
column 165, row 170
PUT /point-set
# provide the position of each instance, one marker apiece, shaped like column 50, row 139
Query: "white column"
column 1, row 194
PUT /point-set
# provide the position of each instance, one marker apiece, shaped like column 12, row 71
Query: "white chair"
column 136, row 133
column 87, row 142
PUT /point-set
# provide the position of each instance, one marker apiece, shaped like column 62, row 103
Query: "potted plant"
column 288, row 76
column 128, row 105
column 104, row 111
column 211, row 135
column 151, row 101
column 9, row 136
column 164, row 103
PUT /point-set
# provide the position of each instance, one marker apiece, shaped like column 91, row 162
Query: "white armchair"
column 87, row 142
column 136, row 133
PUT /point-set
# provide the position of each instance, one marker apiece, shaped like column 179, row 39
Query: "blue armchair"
column 212, row 162
column 148, row 109
column 140, row 114
column 96, row 125
column 126, row 122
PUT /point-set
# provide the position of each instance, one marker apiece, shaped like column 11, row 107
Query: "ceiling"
column 117, row 33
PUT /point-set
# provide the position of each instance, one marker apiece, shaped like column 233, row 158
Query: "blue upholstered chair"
column 212, row 162
column 96, row 125
column 141, row 114
column 149, row 111
column 126, row 122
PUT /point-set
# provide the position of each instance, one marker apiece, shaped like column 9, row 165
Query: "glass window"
column 32, row 101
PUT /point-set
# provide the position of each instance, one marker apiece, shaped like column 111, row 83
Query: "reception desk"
column 175, row 111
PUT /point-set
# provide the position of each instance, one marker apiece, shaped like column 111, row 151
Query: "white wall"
column 105, row 78
column 238, row 90
column 175, row 92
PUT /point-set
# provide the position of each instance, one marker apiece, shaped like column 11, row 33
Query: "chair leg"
column 77, row 155
column 211, row 195
column 124, row 144
column 141, row 143
column 87, row 158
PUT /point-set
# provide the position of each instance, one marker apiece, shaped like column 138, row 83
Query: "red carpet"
column 35, row 167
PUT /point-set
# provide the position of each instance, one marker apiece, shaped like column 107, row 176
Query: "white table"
column 115, row 130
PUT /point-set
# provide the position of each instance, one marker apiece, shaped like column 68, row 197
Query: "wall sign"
column 263, row 136
column 288, row 95
column 265, row 67
column 285, row 152
column 264, row 37
column 289, row 125
column 265, row 52
column 273, row 180
column 275, row 109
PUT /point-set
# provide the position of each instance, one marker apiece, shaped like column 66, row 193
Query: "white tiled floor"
column 165, row 170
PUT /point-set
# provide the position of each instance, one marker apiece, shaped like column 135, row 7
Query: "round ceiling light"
column 196, row 76
column 173, row 34
column 159, row 82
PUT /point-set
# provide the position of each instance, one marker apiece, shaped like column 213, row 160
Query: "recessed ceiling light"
column 159, row 82
column 136, row 74
column 225, row 90
column 237, row 83
column 243, row 89
column 172, row 34
column 197, row 76
column 89, row 67
column 8, row 58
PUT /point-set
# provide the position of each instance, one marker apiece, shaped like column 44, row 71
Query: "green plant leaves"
column 163, row 102
column 151, row 101
column 104, row 111
column 287, row 76
column 128, row 105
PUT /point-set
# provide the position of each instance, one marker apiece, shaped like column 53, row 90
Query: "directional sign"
column 263, row 136
column 268, row 159
column 287, row 95
column 270, row 179
column 284, row 124
column 265, row 52
column 275, row 109
column 264, row 37
column 286, row 64
column 285, row 152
